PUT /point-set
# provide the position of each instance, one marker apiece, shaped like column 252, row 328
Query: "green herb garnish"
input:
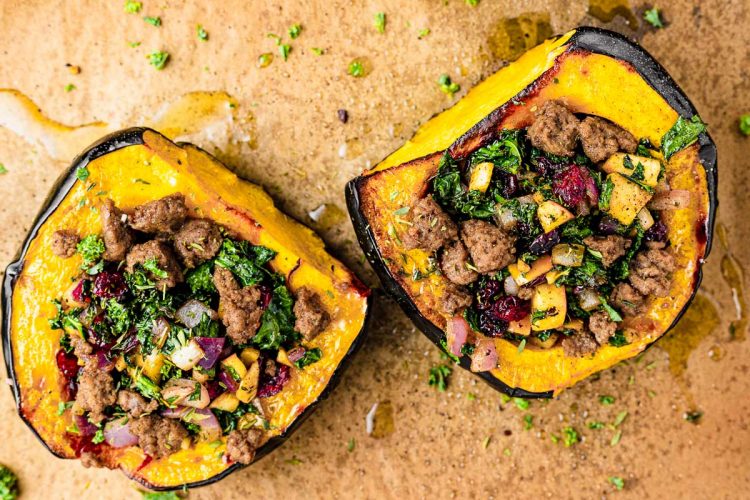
column 653, row 17
column 158, row 59
column 682, row 134
column 379, row 22
column 439, row 377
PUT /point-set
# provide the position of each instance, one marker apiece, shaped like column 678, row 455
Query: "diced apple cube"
column 627, row 164
column 548, row 307
column 520, row 327
column 480, row 177
column 233, row 365
column 187, row 356
column 226, row 402
column 543, row 344
column 249, row 355
column 626, row 199
column 552, row 215
column 249, row 384
column 537, row 268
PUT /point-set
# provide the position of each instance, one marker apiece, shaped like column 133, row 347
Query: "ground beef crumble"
column 242, row 443
column 430, row 227
column 96, row 392
column 601, row 139
column 239, row 308
column 64, row 243
column 579, row 344
column 490, row 247
column 454, row 264
column 453, row 299
column 158, row 437
column 649, row 272
column 611, row 247
column 555, row 129
column 602, row 326
column 165, row 260
column 164, row 215
column 135, row 404
column 627, row 299
column 197, row 241
column 116, row 235
column 311, row 314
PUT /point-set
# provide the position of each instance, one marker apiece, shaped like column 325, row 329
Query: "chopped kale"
column 277, row 323
column 451, row 195
column 311, row 356
column 505, row 153
column 439, row 377
column 8, row 484
column 91, row 249
column 245, row 261
column 618, row 339
column 201, row 281
column 606, row 194
column 682, row 134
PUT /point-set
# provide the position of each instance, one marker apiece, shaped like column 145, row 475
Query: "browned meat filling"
column 134, row 404
column 579, row 344
column 455, row 265
column 164, row 215
column 64, row 243
column 601, row 139
column 555, row 129
column 627, row 299
column 431, row 227
column 96, row 391
column 115, row 233
column 490, row 247
column 649, row 272
column 158, row 437
column 197, row 241
column 311, row 314
column 454, row 299
column 602, row 326
column 611, row 247
column 168, row 274
column 241, row 445
column 239, row 308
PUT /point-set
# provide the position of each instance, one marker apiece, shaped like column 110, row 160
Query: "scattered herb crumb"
column 132, row 7
column 653, row 17
column 350, row 445
column 472, row 3
column 295, row 31
column 617, row 482
column 744, row 124
column 651, row 393
column 380, row 22
column 82, row 173
column 521, row 404
column 317, row 51
column 504, row 398
column 447, row 85
column 8, row 484
column 439, row 377
column 134, row 44
column 595, row 425
column 570, row 436
column 555, row 438
column 294, row 461
column 284, row 50
column 423, row 33
column 606, row 400
column 521, row 346
column 528, row 422
column 153, row 21
column 70, row 87
column 202, row 33
column 506, row 452
column 158, row 59
column 3, row 170
column 616, row 438
column 692, row 416
column 265, row 59
column 159, row 495
column 620, row 418
column 486, row 442
column 356, row 69
column 471, row 396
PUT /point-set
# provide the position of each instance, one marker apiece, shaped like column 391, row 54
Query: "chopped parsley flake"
column 265, row 59
column 350, row 445
column 570, row 436
column 295, row 31
column 3, row 170
column 202, row 33
column 528, row 422
column 423, row 33
column 356, row 69
column 380, row 22
column 653, row 17
column 472, row 3
column 617, row 482
column 521, row 404
column 158, row 59
column 606, row 400
column 82, row 173
column 70, row 87
column 317, row 51
column 284, row 50
column 744, row 124
column 132, row 7
column 439, row 377
column 447, row 85
column 153, row 21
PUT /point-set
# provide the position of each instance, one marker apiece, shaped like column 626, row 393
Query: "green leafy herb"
column 472, row 3
column 621, row 269
column 423, row 33
column 70, row 87
column 158, row 59
column 595, row 425
column 98, row 437
column 265, row 59
column 606, row 400
column 311, row 356
column 62, row 407
column 521, row 345
column 616, row 438
column 620, row 418
column 618, row 339
column 450, row 194
column 521, row 403
column 3, row 170
column 201, row 32
column 693, row 416
column 317, row 51
column 153, row 21
column 245, row 261
column 294, row 31
column 356, row 69
column 570, row 436
column 147, row 387
column 118, row 315
column 132, row 7
column 8, row 484
column 284, row 50
column 66, row 320
column 504, row 153
column 350, row 445
column 82, row 173
column 277, row 323
column 653, row 17
column 200, row 280
column 682, row 134
column 134, row 44
column 606, row 195
column 528, row 422
column 159, row 495
column 613, row 314
column 744, row 124
column 439, row 377
column 380, row 22
column 152, row 266
column 617, row 482
column 447, row 85
column 91, row 249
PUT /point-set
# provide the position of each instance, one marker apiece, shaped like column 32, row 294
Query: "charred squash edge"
column 594, row 40
column 108, row 144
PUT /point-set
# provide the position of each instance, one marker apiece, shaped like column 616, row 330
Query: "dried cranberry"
column 546, row 166
column 81, row 291
column 492, row 326
column 67, row 363
column 110, row 285
column 573, row 185
column 509, row 183
column 488, row 294
column 510, row 308
column 607, row 226
column 214, row 389
column 657, row 232
column 273, row 385
column 544, row 242
column 265, row 296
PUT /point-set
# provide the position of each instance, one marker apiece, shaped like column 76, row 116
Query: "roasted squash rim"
column 58, row 192
column 589, row 39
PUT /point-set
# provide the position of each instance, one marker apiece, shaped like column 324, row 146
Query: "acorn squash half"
column 133, row 167
column 594, row 72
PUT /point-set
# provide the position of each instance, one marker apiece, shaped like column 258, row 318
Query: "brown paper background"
column 436, row 449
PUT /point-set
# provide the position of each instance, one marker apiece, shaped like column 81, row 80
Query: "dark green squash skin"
column 108, row 144
column 590, row 39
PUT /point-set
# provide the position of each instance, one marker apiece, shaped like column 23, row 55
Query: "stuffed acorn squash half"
column 166, row 319
column 554, row 221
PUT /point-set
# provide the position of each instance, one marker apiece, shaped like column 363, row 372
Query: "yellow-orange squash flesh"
column 133, row 175
column 588, row 83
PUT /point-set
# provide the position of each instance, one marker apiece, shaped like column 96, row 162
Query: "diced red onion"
column 212, row 349
column 214, row 389
column 207, row 421
column 160, row 331
column 182, row 391
column 510, row 285
column 104, row 363
column 456, row 334
column 670, row 200
column 227, row 380
column 191, row 312
column 295, row 354
column 588, row 299
column 117, row 433
column 176, row 412
column 484, row 357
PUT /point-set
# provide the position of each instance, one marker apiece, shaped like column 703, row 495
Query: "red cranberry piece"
column 545, row 166
column 544, row 242
column 492, row 326
column 657, row 232
column 570, row 185
column 510, row 308
column 265, row 296
column 67, row 363
column 110, row 285
column 273, row 385
column 509, row 184
column 608, row 226
column 488, row 294
column 81, row 291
